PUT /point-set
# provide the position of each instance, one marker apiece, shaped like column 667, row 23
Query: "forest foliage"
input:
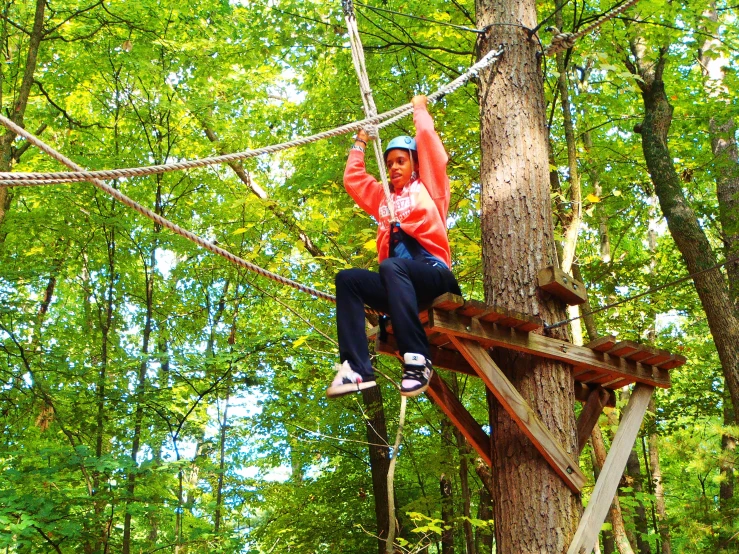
column 155, row 397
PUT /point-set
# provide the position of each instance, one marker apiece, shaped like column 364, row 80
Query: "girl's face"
column 399, row 168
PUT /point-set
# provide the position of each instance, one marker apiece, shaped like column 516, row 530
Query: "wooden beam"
column 546, row 347
column 558, row 283
column 440, row 393
column 602, row 344
column 623, row 349
column 544, row 441
column 607, row 484
column 590, row 414
column 582, row 394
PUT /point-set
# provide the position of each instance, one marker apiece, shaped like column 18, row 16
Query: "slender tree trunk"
column 682, row 221
column 574, row 217
column 222, row 460
column 379, row 454
column 464, row 486
column 641, row 523
column 19, row 108
column 483, row 536
column 726, row 157
column 106, row 325
column 659, row 489
column 447, row 515
column 517, row 241
column 139, row 400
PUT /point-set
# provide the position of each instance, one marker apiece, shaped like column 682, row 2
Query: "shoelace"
column 415, row 372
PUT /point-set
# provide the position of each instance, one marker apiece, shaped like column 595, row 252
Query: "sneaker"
column 347, row 381
column 416, row 375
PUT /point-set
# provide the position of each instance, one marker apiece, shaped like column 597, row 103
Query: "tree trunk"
column 379, row 460
column 682, row 222
column 483, row 536
column 447, row 515
column 659, row 489
column 517, row 241
column 19, row 109
column 636, row 480
column 139, row 399
column 464, row 485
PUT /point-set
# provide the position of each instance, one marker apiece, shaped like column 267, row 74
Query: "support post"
column 589, row 416
column 607, row 484
column 517, row 407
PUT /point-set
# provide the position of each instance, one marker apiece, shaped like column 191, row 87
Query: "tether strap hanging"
column 370, row 110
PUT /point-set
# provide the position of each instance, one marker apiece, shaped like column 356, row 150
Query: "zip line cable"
column 645, row 293
column 562, row 41
column 370, row 110
column 78, row 174
column 381, row 120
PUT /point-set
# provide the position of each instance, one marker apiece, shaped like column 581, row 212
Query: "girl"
column 413, row 253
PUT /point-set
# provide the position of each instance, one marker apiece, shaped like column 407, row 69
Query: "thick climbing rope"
column 381, row 120
column 370, row 110
column 649, row 292
column 78, row 174
column 163, row 221
column 565, row 41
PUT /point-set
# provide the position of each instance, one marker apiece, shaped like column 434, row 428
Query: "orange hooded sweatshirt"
column 421, row 207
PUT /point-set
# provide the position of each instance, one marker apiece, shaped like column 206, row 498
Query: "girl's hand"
column 419, row 100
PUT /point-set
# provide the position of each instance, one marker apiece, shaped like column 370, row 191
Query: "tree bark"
column 379, row 460
column 517, row 241
column 682, row 222
column 659, row 489
column 19, row 108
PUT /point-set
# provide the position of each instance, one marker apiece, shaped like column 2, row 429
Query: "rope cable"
column 565, row 41
column 381, row 120
column 370, row 109
column 645, row 293
column 163, row 221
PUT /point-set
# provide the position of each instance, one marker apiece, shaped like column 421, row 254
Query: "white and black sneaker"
column 416, row 375
column 347, row 381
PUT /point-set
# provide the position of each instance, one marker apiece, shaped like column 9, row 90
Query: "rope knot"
column 372, row 131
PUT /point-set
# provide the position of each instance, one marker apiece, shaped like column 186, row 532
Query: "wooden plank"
column 452, row 360
column 546, row 347
column 607, row 484
column 448, row 302
column 643, row 353
column 620, row 384
column 544, row 441
column 440, row 393
column 659, row 358
column 677, row 361
column 509, row 318
column 602, row 344
column 590, row 414
column 591, row 375
column 472, row 308
column 623, row 348
column 558, row 283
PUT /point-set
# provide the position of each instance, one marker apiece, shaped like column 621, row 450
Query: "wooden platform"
column 460, row 334
column 604, row 362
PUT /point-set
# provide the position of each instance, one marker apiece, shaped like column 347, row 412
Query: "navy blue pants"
column 400, row 289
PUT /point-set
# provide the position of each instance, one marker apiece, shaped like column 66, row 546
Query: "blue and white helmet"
column 403, row 142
